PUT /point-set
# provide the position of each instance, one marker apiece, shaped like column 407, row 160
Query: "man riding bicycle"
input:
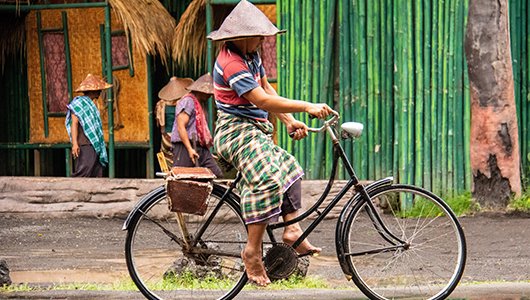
column 271, row 177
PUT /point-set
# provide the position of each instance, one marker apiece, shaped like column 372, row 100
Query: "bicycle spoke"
column 209, row 268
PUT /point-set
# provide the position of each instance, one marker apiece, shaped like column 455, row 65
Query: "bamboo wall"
column 520, row 44
column 85, row 49
column 399, row 68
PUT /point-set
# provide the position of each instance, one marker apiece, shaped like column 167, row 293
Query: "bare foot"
column 292, row 233
column 254, row 266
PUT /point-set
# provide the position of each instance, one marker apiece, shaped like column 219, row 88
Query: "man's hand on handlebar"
column 297, row 130
column 319, row 110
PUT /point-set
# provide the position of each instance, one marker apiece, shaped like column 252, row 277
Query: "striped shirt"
column 234, row 75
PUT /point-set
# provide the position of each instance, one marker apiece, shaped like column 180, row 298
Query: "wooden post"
column 110, row 96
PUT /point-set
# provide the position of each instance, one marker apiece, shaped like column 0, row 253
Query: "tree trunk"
column 495, row 158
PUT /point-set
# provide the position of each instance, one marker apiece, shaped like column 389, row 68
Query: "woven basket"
column 189, row 189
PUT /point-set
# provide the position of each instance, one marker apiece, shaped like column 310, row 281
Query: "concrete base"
column 103, row 197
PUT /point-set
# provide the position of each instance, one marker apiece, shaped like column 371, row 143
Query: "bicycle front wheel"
column 165, row 264
column 427, row 259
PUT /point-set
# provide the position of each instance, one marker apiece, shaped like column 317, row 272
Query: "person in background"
column 165, row 112
column 190, row 136
column 271, row 176
column 83, row 124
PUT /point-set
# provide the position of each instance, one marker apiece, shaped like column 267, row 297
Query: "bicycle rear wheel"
column 163, row 267
column 428, row 265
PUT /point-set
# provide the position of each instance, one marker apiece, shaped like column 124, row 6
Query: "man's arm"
column 267, row 99
column 182, row 121
column 75, row 134
column 285, row 118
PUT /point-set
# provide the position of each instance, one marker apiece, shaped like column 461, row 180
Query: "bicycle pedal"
column 312, row 253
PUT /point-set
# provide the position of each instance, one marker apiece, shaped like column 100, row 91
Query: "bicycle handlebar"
column 327, row 124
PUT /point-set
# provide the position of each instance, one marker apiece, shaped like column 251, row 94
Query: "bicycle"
column 392, row 240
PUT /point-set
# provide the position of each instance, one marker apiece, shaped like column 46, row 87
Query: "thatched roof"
column 189, row 40
column 150, row 24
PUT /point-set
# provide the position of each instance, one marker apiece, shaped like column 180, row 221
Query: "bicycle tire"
column 161, row 269
column 433, row 263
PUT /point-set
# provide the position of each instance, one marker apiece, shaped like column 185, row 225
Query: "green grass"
column 521, row 204
column 462, row 204
column 16, row 288
column 189, row 281
column 125, row 285
column 186, row 282
column 299, row 282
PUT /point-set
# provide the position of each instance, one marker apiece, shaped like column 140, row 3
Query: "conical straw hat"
column 203, row 84
column 175, row 88
column 92, row 83
column 245, row 20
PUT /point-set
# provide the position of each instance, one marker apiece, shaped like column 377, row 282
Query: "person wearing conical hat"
column 164, row 111
column 190, row 136
column 84, row 127
column 244, row 99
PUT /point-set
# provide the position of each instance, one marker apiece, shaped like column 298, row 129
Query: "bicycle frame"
column 361, row 190
column 339, row 153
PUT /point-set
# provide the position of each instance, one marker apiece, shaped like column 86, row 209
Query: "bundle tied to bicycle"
column 188, row 189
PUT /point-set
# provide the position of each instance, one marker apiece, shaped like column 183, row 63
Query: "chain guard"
column 280, row 261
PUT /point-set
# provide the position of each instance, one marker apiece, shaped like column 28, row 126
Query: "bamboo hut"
column 58, row 43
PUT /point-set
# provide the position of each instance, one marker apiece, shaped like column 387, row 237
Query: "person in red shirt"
column 271, row 176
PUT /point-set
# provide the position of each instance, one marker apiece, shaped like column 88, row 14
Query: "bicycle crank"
column 280, row 261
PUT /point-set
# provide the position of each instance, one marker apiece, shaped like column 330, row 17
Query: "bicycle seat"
column 354, row 129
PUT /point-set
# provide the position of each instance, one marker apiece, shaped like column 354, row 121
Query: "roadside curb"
column 508, row 290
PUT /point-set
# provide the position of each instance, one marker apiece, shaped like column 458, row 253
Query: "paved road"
column 43, row 251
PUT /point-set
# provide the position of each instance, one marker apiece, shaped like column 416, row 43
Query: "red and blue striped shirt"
column 234, row 75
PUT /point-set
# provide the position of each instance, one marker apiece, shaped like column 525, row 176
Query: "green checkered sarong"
column 267, row 170
column 90, row 120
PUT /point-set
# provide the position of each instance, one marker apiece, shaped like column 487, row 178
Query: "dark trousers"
column 292, row 198
column 292, row 201
column 181, row 158
column 87, row 163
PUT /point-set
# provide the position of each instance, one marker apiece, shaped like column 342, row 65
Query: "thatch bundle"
column 189, row 40
column 150, row 24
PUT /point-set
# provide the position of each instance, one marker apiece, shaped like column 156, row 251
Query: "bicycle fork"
column 396, row 244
